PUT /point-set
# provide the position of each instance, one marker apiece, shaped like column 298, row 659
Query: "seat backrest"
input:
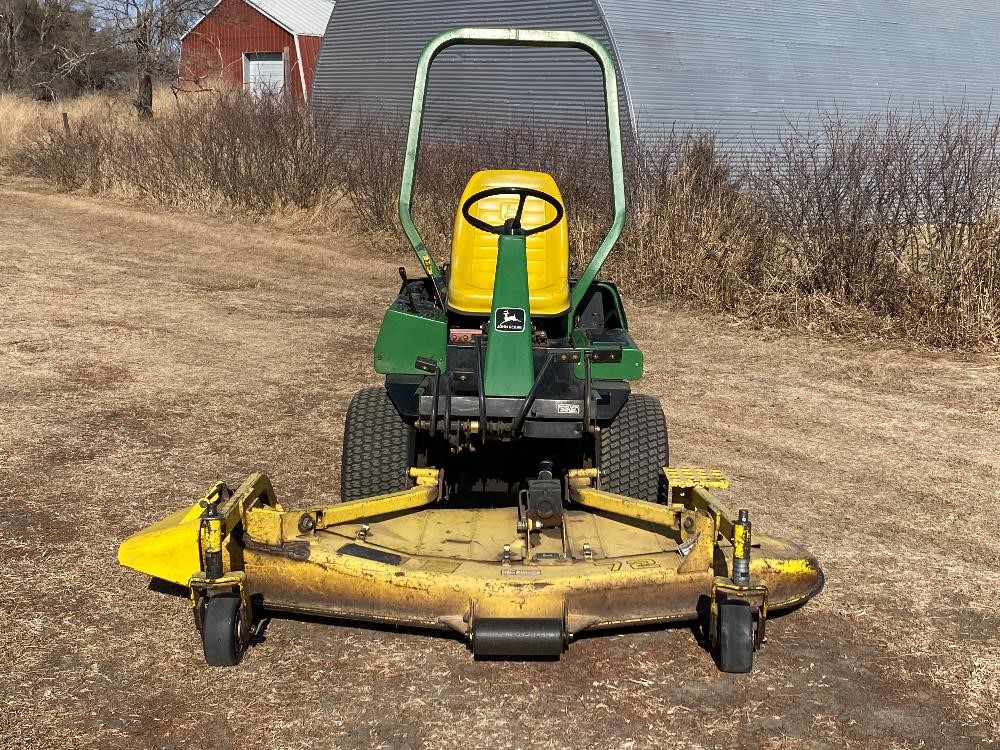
column 474, row 252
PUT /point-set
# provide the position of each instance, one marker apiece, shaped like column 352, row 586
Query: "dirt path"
column 143, row 356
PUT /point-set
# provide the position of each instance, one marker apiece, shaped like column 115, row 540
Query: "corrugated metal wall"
column 741, row 68
column 371, row 49
column 744, row 69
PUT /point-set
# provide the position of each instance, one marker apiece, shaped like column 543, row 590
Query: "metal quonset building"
column 743, row 69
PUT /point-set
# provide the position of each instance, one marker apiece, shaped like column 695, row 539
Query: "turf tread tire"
column 634, row 448
column 378, row 447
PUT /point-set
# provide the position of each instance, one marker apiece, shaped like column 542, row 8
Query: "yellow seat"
column 474, row 252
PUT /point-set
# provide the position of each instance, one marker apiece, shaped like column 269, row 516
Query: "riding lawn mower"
column 506, row 483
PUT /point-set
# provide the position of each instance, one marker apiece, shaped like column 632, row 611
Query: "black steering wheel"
column 512, row 226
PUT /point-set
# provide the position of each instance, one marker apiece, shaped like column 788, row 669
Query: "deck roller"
column 518, row 636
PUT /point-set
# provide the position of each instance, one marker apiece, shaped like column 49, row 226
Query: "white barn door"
column 264, row 72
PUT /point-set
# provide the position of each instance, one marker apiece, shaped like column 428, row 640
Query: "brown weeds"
column 254, row 155
column 887, row 226
column 884, row 227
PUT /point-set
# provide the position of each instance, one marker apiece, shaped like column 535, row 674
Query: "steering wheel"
column 512, row 226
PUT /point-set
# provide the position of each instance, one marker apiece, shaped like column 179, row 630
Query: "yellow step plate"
column 695, row 476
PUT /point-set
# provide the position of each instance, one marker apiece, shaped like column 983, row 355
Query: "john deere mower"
column 506, row 483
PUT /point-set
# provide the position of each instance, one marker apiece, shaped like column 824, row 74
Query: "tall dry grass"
column 22, row 119
column 16, row 114
column 886, row 227
column 224, row 151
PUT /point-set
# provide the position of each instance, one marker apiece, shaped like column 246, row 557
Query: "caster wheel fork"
column 736, row 624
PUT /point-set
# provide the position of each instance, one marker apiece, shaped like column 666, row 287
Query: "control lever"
column 406, row 288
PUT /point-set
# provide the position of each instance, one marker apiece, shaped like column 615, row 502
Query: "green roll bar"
column 514, row 38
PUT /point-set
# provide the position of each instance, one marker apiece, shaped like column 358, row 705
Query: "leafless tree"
column 50, row 46
column 150, row 30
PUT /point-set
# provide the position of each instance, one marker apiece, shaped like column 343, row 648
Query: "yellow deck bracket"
column 701, row 499
column 274, row 527
column 358, row 510
column 678, row 521
column 695, row 476
column 256, row 491
column 426, row 477
column 689, row 486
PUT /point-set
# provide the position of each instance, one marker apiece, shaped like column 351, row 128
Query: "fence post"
column 65, row 118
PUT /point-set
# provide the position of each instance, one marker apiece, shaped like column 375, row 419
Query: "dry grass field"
column 145, row 355
column 20, row 116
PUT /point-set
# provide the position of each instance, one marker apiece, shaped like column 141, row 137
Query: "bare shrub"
column 690, row 233
column 895, row 216
column 258, row 155
column 372, row 167
column 883, row 226
column 68, row 157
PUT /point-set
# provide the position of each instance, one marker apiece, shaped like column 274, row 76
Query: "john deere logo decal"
column 509, row 319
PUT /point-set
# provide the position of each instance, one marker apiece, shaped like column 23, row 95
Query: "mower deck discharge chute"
column 506, row 483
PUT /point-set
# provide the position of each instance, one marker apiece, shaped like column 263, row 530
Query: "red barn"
column 262, row 45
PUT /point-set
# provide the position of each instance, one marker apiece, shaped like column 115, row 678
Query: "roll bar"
column 514, row 38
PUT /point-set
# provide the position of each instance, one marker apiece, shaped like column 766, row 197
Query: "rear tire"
column 378, row 447
column 633, row 449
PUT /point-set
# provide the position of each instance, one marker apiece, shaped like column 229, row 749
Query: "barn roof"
column 299, row 17
column 308, row 17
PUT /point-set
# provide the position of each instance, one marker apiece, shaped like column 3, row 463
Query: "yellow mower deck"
column 402, row 558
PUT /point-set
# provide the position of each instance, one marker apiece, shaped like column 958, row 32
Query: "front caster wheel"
column 222, row 631
column 735, row 636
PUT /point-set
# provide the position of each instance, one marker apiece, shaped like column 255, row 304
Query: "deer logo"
column 510, row 319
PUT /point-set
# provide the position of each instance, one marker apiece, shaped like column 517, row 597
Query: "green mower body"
column 470, row 380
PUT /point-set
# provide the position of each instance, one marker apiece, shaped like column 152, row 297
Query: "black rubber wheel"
column 378, row 447
column 735, row 636
column 220, row 632
column 633, row 449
